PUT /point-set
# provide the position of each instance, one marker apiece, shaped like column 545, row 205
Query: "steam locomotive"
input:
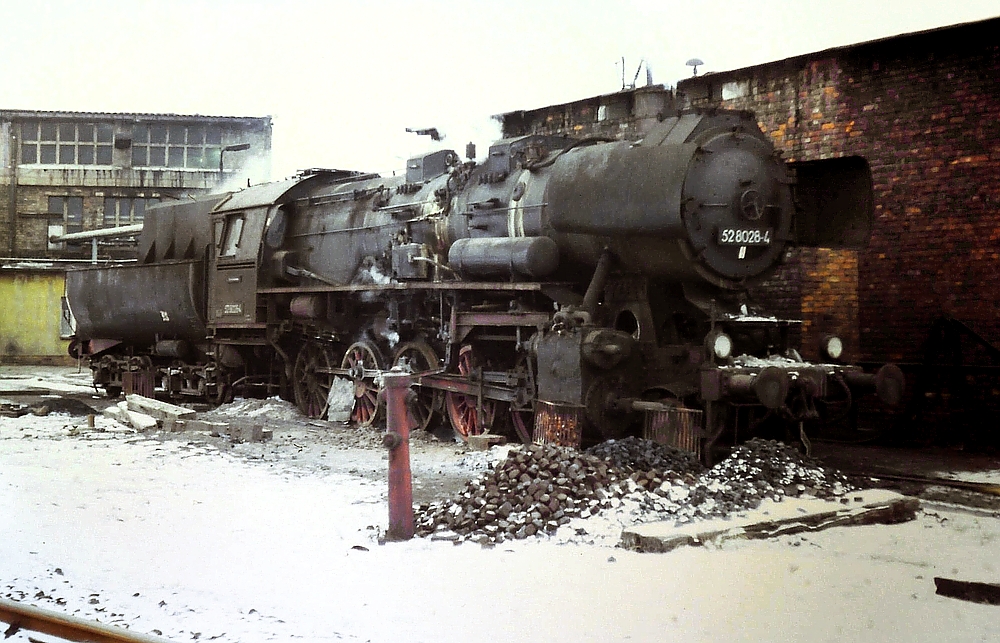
column 581, row 285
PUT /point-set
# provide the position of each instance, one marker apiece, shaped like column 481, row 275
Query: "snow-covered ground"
column 181, row 535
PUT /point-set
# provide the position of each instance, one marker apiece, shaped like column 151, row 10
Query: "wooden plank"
column 872, row 506
column 71, row 628
column 986, row 593
column 157, row 409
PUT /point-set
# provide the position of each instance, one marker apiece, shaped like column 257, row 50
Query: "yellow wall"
column 30, row 310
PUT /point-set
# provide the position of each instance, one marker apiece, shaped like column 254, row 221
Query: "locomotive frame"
column 564, row 284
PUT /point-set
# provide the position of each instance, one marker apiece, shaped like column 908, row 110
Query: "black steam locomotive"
column 563, row 285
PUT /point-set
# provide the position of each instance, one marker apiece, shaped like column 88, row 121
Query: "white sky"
column 343, row 79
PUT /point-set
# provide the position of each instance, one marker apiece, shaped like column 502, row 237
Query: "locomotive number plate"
column 741, row 237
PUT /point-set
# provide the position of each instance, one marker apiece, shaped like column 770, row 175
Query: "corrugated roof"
column 138, row 116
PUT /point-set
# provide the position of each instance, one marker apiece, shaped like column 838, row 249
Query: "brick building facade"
column 924, row 109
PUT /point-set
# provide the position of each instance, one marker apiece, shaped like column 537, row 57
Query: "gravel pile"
column 570, row 495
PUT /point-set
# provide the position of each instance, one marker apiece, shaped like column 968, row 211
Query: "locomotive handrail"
column 533, row 286
column 377, row 226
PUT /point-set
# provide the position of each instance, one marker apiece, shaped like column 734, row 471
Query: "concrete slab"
column 486, row 441
column 771, row 519
column 157, row 409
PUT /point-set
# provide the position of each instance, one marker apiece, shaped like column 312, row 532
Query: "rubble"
column 540, row 489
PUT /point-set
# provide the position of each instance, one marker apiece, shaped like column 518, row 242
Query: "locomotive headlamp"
column 720, row 344
column 832, row 347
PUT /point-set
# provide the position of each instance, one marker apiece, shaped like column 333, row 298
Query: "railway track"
column 982, row 496
column 987, row 488
column 21, row 617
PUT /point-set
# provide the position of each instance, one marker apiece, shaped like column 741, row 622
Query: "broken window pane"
column 104, row 155
column 29, row 131
column 29, row 153
column 157, row 157
column 105, row 133
column 176, row 157
column 48, row 131
column 67, row 154
column 67, row 132
column 158, row 134
column 56, row 228
column 48, row 153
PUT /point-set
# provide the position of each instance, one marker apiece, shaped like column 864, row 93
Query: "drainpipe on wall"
column 15, row 155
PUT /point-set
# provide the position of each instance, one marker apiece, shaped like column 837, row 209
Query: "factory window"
column 192, row 146
column 68, row 211
column 52, row 143
column 119, row 211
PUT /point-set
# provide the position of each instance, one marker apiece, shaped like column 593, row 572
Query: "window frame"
column 176, row 146
column 54, row 142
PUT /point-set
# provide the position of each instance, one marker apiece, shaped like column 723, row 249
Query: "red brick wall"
column 925, row 111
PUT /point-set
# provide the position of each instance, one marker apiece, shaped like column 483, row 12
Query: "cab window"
column 231, row 235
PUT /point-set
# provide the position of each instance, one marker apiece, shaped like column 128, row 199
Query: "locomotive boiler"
column 562, row 286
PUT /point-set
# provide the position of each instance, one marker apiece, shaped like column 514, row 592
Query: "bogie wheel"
column 464, row 411
column 362, row 360
column 311, row 378
column 418, row 357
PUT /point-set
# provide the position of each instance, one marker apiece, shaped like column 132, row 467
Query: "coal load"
column 555, row 490
column 535, row 490
column 636, row 454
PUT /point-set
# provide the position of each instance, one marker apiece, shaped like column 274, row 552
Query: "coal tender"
column 564, row 290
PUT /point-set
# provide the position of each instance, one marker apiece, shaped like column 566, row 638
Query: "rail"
column 28, row 617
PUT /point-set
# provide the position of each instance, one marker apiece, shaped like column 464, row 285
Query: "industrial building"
column 71, row 172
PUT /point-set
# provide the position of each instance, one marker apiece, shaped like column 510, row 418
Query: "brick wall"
column 626, row 115
column 924, row 110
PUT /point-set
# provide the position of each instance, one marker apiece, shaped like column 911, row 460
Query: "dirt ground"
column 194, row 537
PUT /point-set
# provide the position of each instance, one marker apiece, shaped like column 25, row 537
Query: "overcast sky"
column 342, row 80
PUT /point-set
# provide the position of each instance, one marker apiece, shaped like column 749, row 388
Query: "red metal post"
column 397, row 440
